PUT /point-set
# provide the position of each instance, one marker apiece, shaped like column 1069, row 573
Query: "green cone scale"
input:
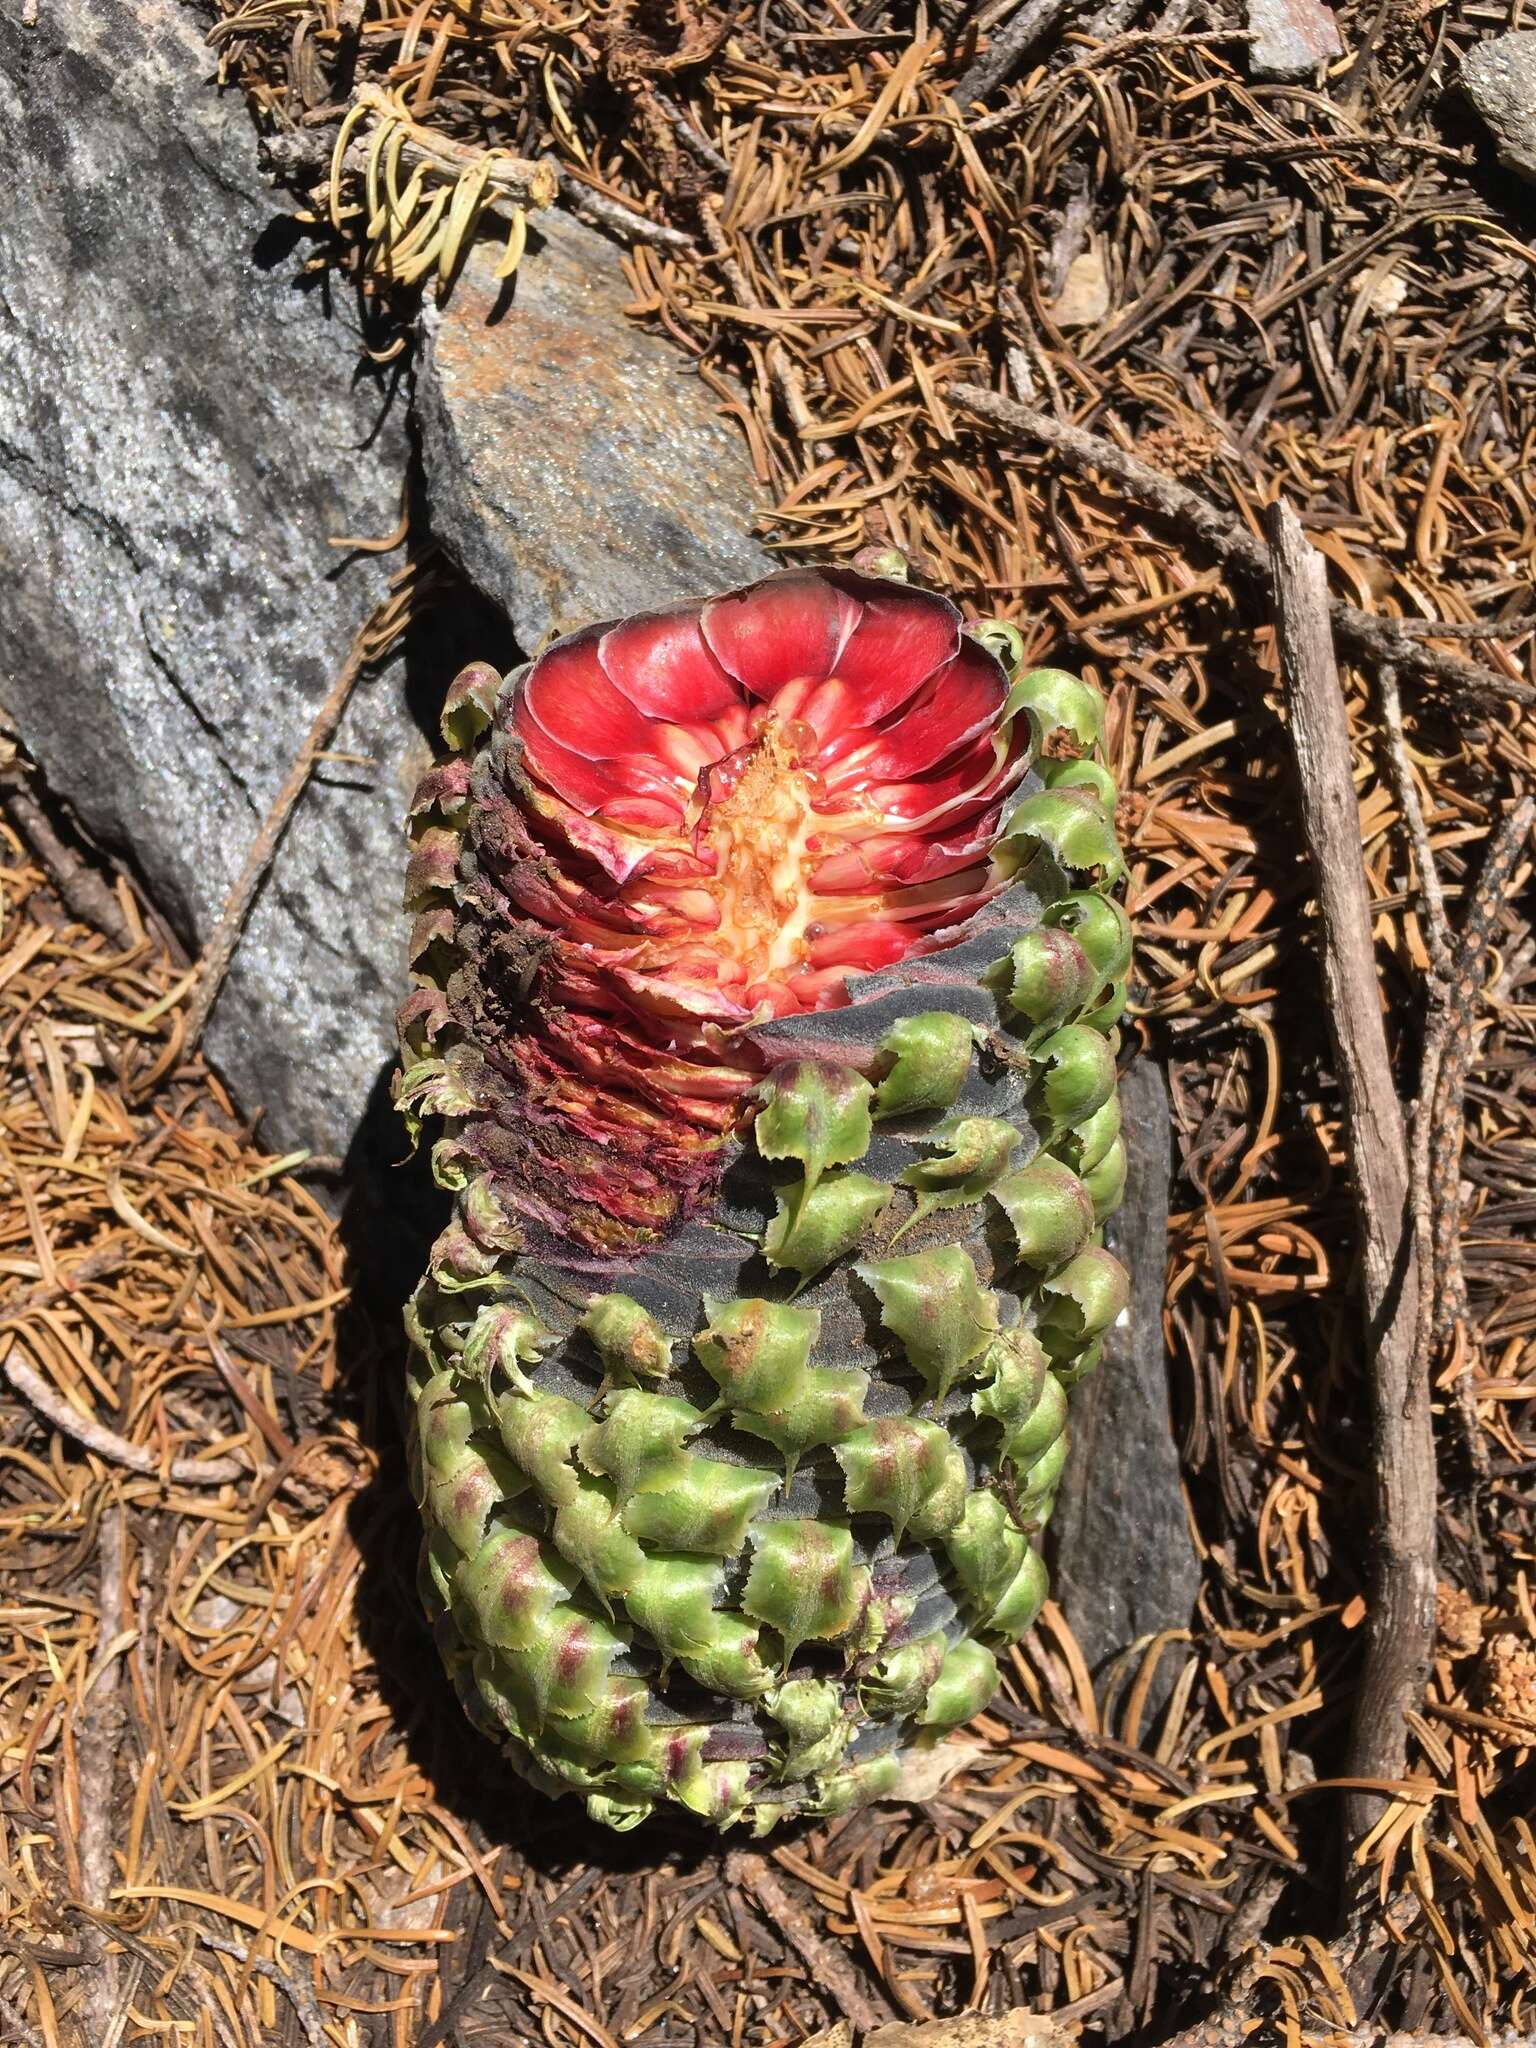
column 767, row 970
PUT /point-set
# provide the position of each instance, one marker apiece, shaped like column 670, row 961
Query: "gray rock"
column 1293, row 39
column 1498, row 76
column 182, row 430
column 1123, row 1562
column 577, row 468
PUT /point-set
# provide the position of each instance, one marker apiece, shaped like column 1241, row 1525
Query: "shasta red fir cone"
column 767, row 976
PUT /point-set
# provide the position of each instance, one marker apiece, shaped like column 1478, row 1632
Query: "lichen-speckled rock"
column 578, row 468
column 1292, row 40
column 181, row 433
column 1498, row 76
column 183, row 429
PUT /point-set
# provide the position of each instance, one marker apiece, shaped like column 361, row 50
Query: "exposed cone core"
column 761, row 795
column 756, row 834
column 767, row 984
column 710, row 817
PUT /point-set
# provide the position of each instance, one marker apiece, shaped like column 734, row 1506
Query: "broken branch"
column 86, row 892
column 826, row 1963
column 1006, row 52
column 100, row 1738
column 106, row 1443
column 1402, row 1578
column 1448, row 1056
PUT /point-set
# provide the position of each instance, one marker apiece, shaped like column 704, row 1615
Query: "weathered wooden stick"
column 1402, row 1577
column 86, row 891
column 1451, row 1040
column 1008, row 49
column 106, row 1443
column 790, row 1921
column 97, row 1744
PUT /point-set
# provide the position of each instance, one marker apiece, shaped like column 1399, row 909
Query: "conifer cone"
column 767, row 975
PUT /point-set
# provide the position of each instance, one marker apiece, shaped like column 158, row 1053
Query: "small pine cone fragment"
column 1458, row 1621
column 767, row 977
column 1508, row 1674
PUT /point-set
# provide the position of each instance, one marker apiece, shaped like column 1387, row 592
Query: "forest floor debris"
column 1320, row 289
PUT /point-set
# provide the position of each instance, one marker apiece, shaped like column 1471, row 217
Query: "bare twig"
column 599, row 211
column 1401, row 1622
column 1365, row 635
column 278, row 1441
column 1516, row 628
column 1437, row 1025
column 1007, row 51
column 100, row 1735
column 781, row 367
column 1241, row 1936
column 86, row 892
column 15, row 2030
column 696, row 144
column 827, row 1963
column 294, row 1989
column 1024, row 355
column 1437, row 930
column 370, row 644
column 1166, row 34
column 1108, row 23
column 1453, row 1042
column 106, row 1443
column 97, row 1265
column 304, row 153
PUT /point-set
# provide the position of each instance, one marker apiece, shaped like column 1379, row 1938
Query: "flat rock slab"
column 1498, row 75
column 181, row 433
column 1293, row 40
column 577, row 468
column 1123, row 1563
